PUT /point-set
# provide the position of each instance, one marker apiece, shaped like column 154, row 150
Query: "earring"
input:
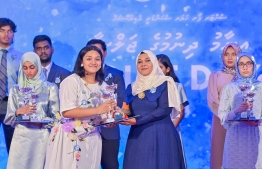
column 82, row 65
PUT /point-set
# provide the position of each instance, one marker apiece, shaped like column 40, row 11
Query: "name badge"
column 57, row 80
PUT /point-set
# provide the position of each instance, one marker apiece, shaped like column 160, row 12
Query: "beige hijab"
column 155, row 79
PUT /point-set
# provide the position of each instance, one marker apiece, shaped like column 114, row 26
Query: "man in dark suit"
column 43, row 47
column 110, row 136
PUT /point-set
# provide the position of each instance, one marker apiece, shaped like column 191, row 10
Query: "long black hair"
column 81, row 71
column 164, row 59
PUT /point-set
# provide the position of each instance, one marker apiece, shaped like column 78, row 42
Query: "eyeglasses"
column 242, row 65
column 39, row 49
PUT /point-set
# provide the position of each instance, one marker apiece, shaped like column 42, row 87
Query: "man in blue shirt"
column 10, row 60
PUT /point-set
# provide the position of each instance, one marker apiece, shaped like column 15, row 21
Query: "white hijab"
column 155, row 79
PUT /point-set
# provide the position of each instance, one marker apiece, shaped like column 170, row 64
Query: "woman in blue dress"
column 153, row 141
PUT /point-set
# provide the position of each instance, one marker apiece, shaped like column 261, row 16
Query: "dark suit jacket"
column 115, row 76
column 57, row 74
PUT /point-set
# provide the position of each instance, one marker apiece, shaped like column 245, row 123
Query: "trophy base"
column 246, row 119
column 110, row 120
column 116, row 121
column 28, row 119
column 34, row 119
column 23, row 118
column 252, row 118
column 118, row 116
column 243, row 115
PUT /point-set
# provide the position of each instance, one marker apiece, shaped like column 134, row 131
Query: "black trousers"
column 110, row 150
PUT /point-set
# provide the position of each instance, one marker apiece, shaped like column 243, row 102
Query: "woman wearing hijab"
column 153, row 141
column 217, row 81
column 29, row 142
column 242, row 148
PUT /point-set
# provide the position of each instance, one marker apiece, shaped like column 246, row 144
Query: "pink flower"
column 85, row 125
column 68, row 127
column 55, row 129
column 77, row 155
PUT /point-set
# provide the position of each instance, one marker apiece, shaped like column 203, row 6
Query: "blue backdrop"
column 191, row 32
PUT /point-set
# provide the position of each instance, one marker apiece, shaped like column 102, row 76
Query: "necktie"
column 3, row 74
column 45, row 72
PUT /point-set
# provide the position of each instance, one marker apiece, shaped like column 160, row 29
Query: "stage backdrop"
column 191, row 32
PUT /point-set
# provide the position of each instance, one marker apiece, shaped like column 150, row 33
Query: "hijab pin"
column 153, row 90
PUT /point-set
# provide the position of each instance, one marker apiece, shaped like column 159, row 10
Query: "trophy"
column 26, row 93
column 33, row 116
column 250, row 100
column 112, row 96
column 248, row 94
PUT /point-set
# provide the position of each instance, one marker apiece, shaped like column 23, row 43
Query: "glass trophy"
column 112, row 96
column 34, row 101
column 248, row 94
column 26, row 94
column 250, row 100
column 118, row 115
column 30, row 98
